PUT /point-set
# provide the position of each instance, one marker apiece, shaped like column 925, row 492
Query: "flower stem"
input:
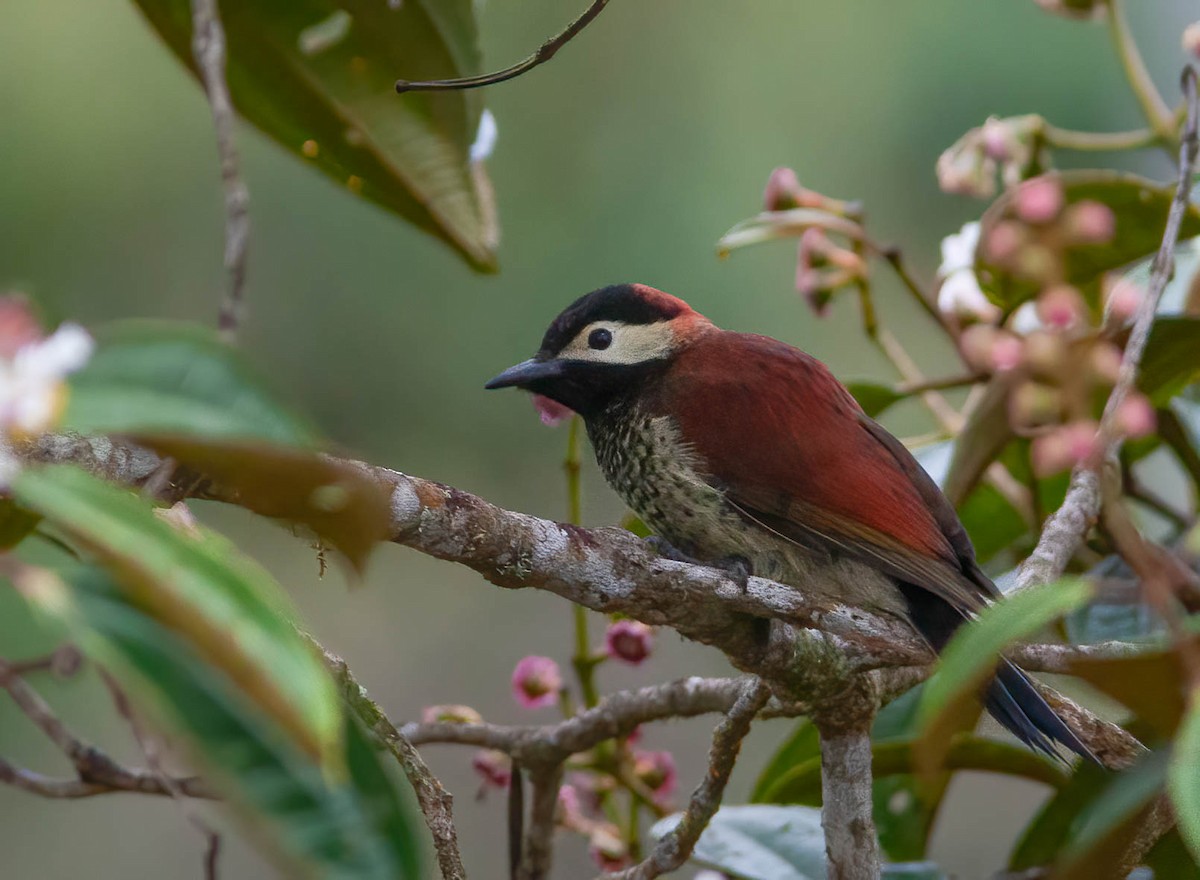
column 1094, row 141
column 1157, row 113
column 582, row 660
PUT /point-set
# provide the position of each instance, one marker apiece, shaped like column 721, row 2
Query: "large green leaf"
column 764, row 842
column 1183, row 777
column 225, row 606
column 1051, row 829
column 318, row 77
column 1172, row 357
column 342, row 818
column 180, row 391
column 971, row 656
column 1139, row 205
column 161, row 377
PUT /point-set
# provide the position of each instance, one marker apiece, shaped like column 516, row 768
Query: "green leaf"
column 312, row 817
column 803, row 745
column 160, row 377
column 1172, row 358
column 225, row 606
column 1051, row 829
column 1139, row 205
column 873, row 397
column 1151, row 683
column 1110, row 822
column 15, row 523
column 971, row 656
column 761, row 842
column 993, row 524
column 318, row 76
column 1183, row 777
column 982, row 439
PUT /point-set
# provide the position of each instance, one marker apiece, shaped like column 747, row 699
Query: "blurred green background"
column 622, row 160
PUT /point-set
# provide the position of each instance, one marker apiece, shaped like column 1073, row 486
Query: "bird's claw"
column 737, row 568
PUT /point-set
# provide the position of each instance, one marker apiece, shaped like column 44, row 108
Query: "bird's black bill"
column 527, row 372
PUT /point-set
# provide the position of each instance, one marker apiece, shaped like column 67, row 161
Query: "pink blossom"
column 570, row 811
column 1135, row 416
column 782, row 192
column 551, row 412
column 656, row 770
column 1004, row 240
column 19, row 326
column 1064, row 447
column 607, row 849
column 1007, row 351
column 1124, row 299
column 1061, row 306
column 1191, row 39
column 629, row 641
column 495, row 768
column 1091, row 222
column 536, row 682
column 1106, row 361
column 1039, row 200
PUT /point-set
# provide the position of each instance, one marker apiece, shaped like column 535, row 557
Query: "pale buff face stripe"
column 631, row 343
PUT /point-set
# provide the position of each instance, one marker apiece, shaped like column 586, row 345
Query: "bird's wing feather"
column 776, row 431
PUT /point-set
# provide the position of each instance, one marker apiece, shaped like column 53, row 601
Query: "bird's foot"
column 737, row 568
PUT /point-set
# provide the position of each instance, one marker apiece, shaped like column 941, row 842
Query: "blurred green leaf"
column 631, row 522
column 1045, row 836
column 1140, row 206
column 1183, row 776
column 225, row 606
column 1151, row 683
column 344, row 505
column 1108, row 824
column 318, row 77
column 313, row 818
column 162, row 377
column 1172, row 358
column 981, row 440
column 873, row 397
column 993, row 524
column 15, row 523
column 801, row 746
column 971, row 656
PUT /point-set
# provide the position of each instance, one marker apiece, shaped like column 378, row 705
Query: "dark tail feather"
column 1013, row 701
column 1011, row 698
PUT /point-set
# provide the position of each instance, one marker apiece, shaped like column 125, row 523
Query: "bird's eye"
column 600, row 339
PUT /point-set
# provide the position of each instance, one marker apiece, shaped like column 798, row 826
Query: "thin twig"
column 208, row 48
column 676, row 847
column 544, row 53
column 1065, row 530
column 1158, row 114
column 537, row 850
column 437, row 804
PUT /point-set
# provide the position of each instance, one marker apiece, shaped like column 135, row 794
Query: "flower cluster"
column 1058, row 357
column 1010, row 148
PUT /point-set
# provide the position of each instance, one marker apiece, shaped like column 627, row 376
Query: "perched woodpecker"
column 733, row 446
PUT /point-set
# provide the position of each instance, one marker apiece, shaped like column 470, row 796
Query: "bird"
column 745, row 452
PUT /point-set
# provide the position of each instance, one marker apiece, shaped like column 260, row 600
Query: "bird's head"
column 604, row 345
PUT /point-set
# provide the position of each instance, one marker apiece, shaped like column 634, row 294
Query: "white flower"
column 485, row 137
column 31, row 384
column 960, row 293
column 1025, row 319
column 958, row 250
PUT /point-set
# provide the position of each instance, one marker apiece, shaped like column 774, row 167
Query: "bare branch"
column 537, row 850
column 544, row 53
column 208, row 48
column 97, row 772
column 437, row 804
column 1065, row 530
column 676, row 847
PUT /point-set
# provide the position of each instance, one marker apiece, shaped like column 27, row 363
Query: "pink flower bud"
column 1045, row 352
column 1191, row 39
column 1124, row 299
column 629, row 641
column 1007, row 351
column 976, row 343
column 536, row 682
column 783, row 190
column 1064, row 447
column 1004, row 240
column 607, row 849
column 1090, row 222
column 1061, row 306
column 1135, row 416
column 656, row 770
column 18, row 325
column 1034, row 404
column 1038, row 201
column 997, row 140
column 450, row 714
column 570, row 810
column 551, row 412
column 494, row 767
column 1105, row 362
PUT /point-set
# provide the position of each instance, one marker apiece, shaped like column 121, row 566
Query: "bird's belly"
column 657, row 475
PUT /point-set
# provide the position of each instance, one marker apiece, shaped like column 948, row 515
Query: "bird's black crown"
column 627, row 303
